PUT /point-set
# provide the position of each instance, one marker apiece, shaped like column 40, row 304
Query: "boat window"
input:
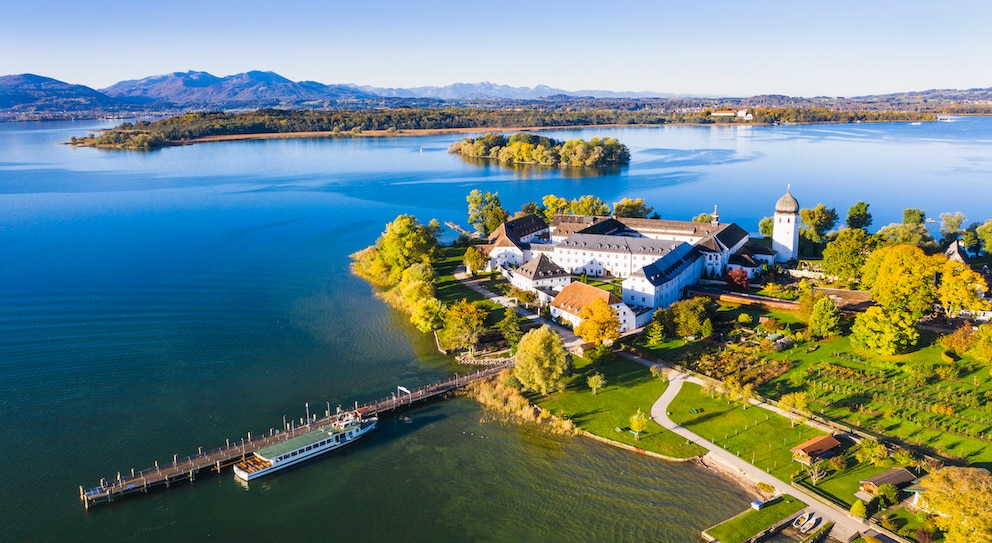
column 309, row 447
column 293, row 453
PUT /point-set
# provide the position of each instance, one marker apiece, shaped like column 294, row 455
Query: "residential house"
column 542, row 276
column 815, row 449
column 569, row 303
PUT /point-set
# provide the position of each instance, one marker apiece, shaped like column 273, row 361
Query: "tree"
column 795, row 403
column 595, row 382
column 635, row 208
column 859, row 509
column 532, row 208
column 485, row 212
column 950, row 225
column 428, row 315
column 985, row 234
column 824, row 321
column 688, row 316
column 913, row 216
column 554, row 205
column 858, row 216
column 655, row 333
column 638, row 423
column 845, row 256
column 969, row 237
column 600, row 323
column 703, row 217
column 474, row 260
column 982, row 347
column 871, row 452
column 737, row 278
column 405, row 242
column 816, row 472
column 542, row 361
column 888, row 495
column 736, row 391
column 884, row 332
column 464, row 322
column 767, row 226
column 816, row 222
column 961, row 288
column 901, row 278
column 962, row 499
column 906, row 234
column 510, row 328
column 589, row 205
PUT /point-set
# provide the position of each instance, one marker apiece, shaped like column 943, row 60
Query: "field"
column 742, row 527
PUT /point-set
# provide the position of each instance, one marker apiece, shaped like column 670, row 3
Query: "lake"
column 152, row 303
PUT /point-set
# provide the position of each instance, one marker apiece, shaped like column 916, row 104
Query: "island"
column 524, row 148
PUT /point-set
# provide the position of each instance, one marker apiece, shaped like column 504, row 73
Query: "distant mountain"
column 29, row 93
column 469, row 91
column 256, row 88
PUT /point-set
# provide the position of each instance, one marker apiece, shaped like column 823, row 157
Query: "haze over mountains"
column 34, row 96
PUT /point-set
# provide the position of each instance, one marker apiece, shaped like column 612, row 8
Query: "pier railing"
column 187, row 467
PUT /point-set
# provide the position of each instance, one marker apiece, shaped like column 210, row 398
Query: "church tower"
column 785, row 236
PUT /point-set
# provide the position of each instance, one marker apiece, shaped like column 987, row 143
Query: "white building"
column 662, row 283
column 509, row 245
column 542, row 276
column 572, row 299
column 598, row 255
column 785, row 236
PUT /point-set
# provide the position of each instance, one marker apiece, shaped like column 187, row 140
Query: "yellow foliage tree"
column 600, row 323
column 962, row 500
column 961, row 288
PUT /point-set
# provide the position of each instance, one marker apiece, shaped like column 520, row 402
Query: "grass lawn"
column 754, row 434
column 907, row 523
column 741, row 528
column 840, row 487
column 629, row 386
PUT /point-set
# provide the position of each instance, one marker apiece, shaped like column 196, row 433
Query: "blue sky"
column 836, row 48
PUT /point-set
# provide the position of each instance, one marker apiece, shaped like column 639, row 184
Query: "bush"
column 960, row 341
column 859, row 509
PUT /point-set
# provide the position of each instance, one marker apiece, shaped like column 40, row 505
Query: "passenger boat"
column 810, row 524
column 801, row 519
column 296, row 449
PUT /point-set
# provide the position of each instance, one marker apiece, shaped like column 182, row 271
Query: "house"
column 897, row 477
column 956, row 252
column 815, row 449
column 569, row 303
column 510, row 243
column 750, row 258
column 541, row 275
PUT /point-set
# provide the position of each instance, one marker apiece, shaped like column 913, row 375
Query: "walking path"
column 845, row 526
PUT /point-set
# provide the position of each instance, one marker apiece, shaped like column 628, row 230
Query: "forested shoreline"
column 191, row 126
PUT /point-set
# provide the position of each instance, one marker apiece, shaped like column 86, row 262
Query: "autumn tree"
column 982, row 346
column 871, row 452
column 463, row 323
column 589, row 205
column 655, row 334
column 404, row 243
column 906, row 234
column 474, row 260
column 634, row 208
column 816, row 222
column 485, row 212
column 542, row 361
column 962, row 499
column 845, row 256
column 901, row 279
column 510, row 328
column 638, row 423
column 885, row 332
column 796, row 405
column 688, row 316
column 595, row 382
column 703, row 217
column 600, row 323
column 824, row 321
column 961, row 288
column 767, row 226
column 428, row 315
column 737, row 277
column 858, row 216
column 888, row 495
column 554, row 205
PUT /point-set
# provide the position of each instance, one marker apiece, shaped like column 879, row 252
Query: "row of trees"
column 526, row 148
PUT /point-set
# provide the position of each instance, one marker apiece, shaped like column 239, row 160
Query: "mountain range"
column 27, row 96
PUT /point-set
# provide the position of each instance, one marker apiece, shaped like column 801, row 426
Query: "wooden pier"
column 186, row 469
column 460, row 230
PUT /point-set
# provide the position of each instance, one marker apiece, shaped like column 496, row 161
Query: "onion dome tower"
column 785, row 235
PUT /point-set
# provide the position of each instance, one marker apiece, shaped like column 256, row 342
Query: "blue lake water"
column 151, row 303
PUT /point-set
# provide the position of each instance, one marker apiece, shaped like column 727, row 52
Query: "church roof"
column 577, row 295
column 787, row 204
column 541, row 267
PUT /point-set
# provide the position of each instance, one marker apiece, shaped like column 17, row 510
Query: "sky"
column 701, row 47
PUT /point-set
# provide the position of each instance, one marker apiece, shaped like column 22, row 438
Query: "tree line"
column 526, row 148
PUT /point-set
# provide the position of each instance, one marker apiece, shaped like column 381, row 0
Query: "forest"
column 525, row 148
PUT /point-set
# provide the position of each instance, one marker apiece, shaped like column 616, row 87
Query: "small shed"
column 815, row 449
column 898, row 477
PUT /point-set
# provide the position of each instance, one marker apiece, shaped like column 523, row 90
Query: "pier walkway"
column 186, row 469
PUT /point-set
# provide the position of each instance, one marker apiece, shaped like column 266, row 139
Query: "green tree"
column 824, row 321
column 950, row 225
column 689, row 315
column 638, row 423
column 655, row 333
column 595, row 382
column 845, row 256
column 510, row 328
column 589, row 205
column 871, row 452
column 913, row 216
column 962, row 499
column 767, row 226
column 635, row 208
column 859, row 509
column 901, row 279
column 404, row 243
column 554, row 205
column 982, row 347
column 703, row 217
column 906, row 234
column 858, row 216
column 961, row 288
column 474, row 260
column 485, row 212
column 542, row 361
column 985, row 234
column 796, row 404
column 600, row 323
column 884, row 332
column 428, row 315
column 464, row 321
column 816, row 222
column 969, row 237
column 888, row 495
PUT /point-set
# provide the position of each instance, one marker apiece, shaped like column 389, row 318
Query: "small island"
column 530, row 149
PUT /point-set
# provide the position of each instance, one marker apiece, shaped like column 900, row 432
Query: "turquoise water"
column 151, row 303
